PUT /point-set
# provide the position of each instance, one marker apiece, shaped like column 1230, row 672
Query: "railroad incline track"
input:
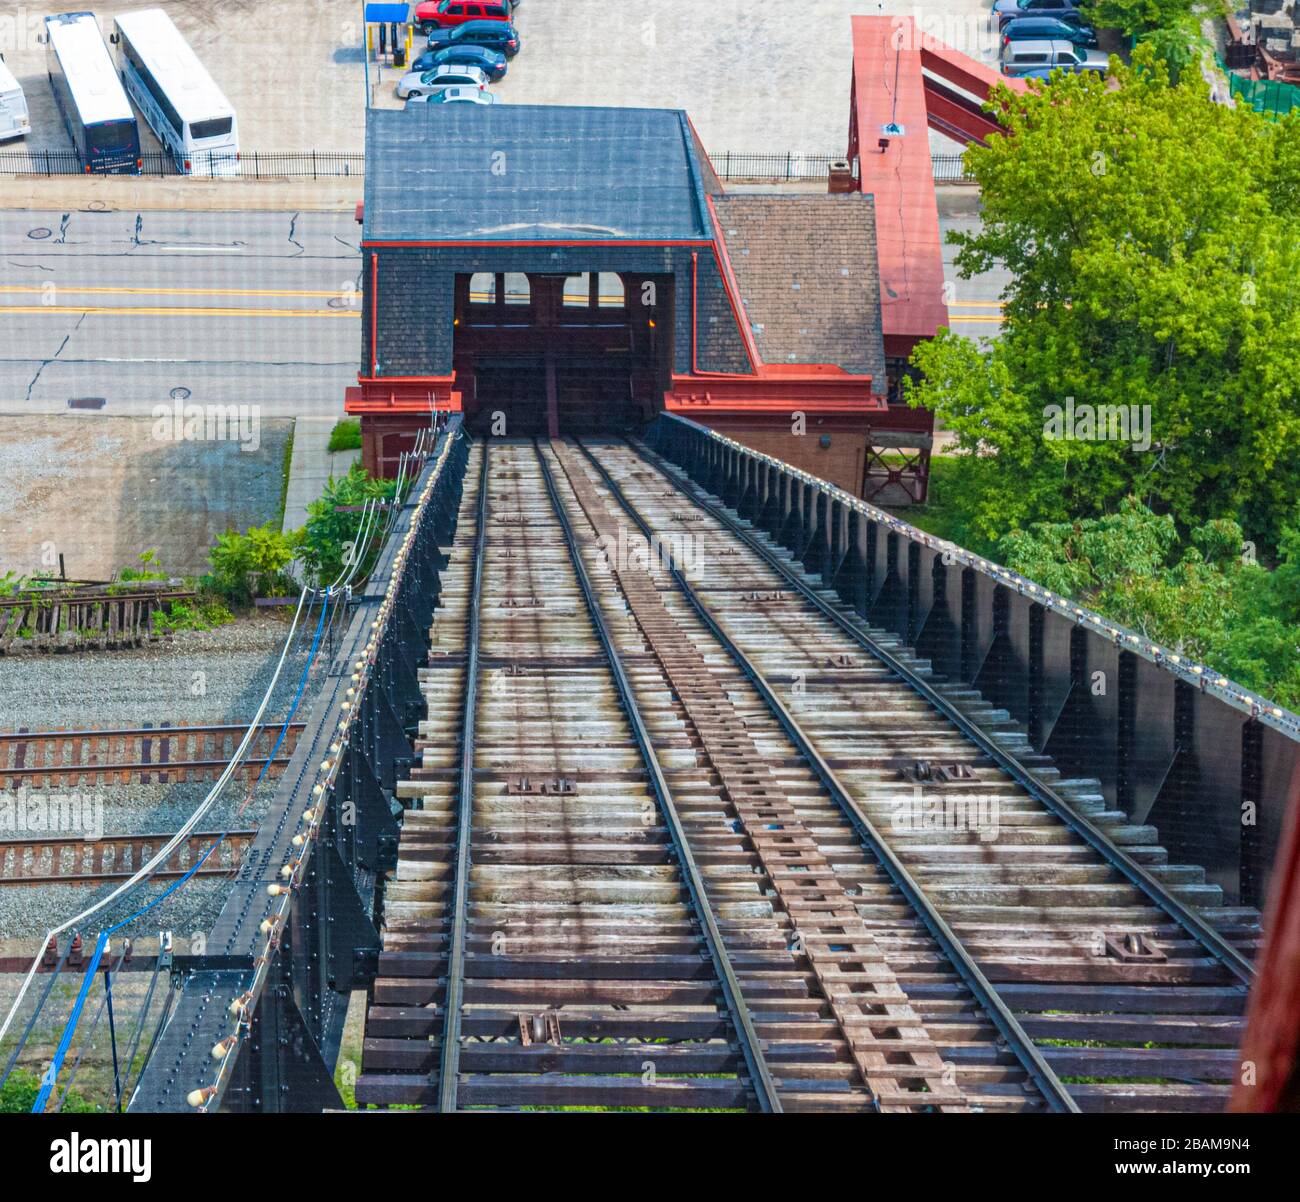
column 684, row 834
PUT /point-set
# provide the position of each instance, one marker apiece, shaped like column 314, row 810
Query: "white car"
column 456, row 94
column 423, row 83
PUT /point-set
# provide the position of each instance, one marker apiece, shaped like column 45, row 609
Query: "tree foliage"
column 254, row 562
column 1202, row 597
column 334, row 522
column 1135, row 17
column 1150, row 237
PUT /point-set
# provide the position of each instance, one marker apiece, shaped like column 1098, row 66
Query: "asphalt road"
column 234, row 307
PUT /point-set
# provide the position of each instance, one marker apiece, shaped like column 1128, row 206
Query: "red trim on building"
column 527, row 242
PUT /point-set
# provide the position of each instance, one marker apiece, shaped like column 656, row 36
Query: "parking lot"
column 769, row 76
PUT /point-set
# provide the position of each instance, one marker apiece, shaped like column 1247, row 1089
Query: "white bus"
column 177, row 96
column 96, row 112
column 14, row 122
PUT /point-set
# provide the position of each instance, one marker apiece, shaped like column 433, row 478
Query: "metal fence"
column 1272, row 97
column 789, row 167
column 793, row 167
column 951, row 169
column 255, row 164
column 781, row 167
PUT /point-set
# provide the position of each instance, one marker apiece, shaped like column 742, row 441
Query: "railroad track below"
column 164, row 754
column 68, row 860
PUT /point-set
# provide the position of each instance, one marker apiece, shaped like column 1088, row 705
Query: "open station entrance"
column 544, row 353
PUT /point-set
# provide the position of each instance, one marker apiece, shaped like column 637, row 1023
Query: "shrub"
column 249, row 563
column 203, row 616
column 346, row 435
column 334, row 522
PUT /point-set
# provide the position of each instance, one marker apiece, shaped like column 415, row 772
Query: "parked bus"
column 14, row 122
column 96, row 112
column 177, row 96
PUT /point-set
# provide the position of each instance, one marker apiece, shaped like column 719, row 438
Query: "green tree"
column 1135, row 17
column 1180, row 46
column 1150, row 239
column 1202, row 597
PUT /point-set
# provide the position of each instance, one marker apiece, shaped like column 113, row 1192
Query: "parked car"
column 490, row 62
column 500, row 36
column 1037, row 60
column 419, row 83
column 443, row 14
column 1051, row 29
column 456, row 95
column 1062, row 10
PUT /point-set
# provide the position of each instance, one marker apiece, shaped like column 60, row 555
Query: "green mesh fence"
column 1271, row 97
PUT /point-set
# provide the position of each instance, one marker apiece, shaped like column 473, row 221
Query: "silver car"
column 1032, row 59
column 456, row 94
column 423, row 83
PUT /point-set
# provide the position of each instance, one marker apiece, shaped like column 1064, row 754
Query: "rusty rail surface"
column 68, row 860
column 550, row 907
column 85, row 618
column 164, row 754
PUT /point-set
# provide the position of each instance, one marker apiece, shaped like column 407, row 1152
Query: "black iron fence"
column 780, row 167
column 951, row 169
column 790, row 167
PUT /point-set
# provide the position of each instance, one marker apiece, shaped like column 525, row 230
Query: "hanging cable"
column 147, row 870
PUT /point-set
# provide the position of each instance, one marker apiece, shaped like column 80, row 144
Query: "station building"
column 545, row 270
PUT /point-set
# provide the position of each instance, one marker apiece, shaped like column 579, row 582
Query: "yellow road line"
column 151, row 311
column 88, row 290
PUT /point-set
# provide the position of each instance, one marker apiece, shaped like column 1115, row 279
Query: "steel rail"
column 1201, row 931
column 764, row 1086
column 108, row 732
column 449, row 1057
column 1040, row 1072
column 135, row 768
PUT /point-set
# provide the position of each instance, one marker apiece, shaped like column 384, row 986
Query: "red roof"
column 889, row 88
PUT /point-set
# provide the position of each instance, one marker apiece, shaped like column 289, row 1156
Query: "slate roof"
column 461, row 172
column 808, row 277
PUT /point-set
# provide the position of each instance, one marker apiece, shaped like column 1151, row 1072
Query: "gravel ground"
column 193, row 676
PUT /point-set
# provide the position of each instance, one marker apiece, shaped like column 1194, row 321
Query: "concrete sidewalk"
column 132, row 193
column 312, row 467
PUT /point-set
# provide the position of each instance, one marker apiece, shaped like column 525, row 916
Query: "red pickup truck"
column 442, row 14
